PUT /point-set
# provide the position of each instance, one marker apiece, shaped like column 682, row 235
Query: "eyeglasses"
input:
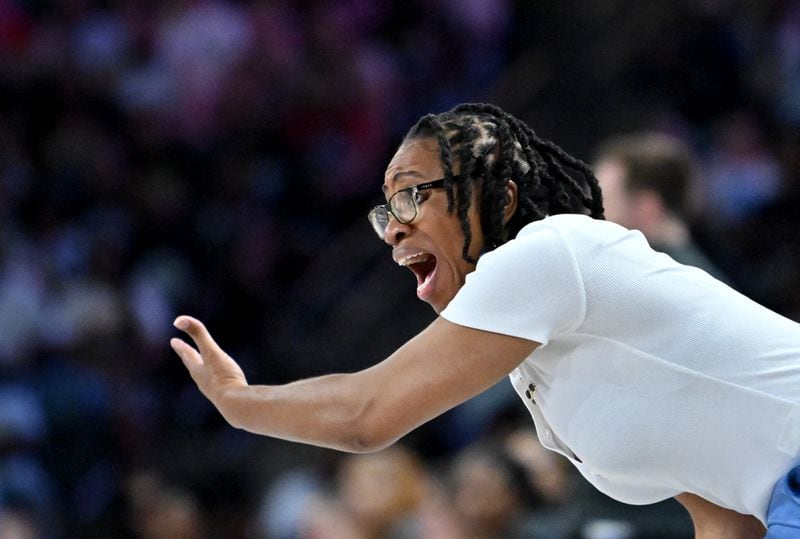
column 403, row 206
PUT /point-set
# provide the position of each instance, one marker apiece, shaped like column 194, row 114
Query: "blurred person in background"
column 19, row 523
column 380, row 490
column 161, row 510
column 384, row 495
column 28, row 493
column 647, row 180
column 490, row 494
column 654, row 379
column 570, row 507
column 559, row 511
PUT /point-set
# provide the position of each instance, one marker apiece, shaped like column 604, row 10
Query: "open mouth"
column 424, row 267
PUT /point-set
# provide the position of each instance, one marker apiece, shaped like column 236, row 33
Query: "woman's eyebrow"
column 399, row 177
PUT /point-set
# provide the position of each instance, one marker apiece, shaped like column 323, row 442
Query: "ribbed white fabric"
column 652, row 377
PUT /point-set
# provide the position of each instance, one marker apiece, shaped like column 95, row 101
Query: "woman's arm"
column 438, row 369
column 714, row 522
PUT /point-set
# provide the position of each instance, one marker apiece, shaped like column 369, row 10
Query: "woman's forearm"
column 328, row 411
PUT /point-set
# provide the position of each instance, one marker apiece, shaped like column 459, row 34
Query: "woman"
column 652, row 378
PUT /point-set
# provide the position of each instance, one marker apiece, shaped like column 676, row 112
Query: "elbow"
column 369, row 443
column 371, row 431
column 366, row 445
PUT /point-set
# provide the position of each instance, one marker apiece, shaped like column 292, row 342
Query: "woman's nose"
column 395, row 231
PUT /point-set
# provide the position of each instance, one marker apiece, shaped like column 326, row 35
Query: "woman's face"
column 431, row 244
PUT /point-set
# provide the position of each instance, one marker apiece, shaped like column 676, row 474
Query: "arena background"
column 218, row 159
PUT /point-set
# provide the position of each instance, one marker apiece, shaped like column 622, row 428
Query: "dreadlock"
column 492, row 148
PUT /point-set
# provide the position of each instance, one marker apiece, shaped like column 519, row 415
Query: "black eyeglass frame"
column 387, row 208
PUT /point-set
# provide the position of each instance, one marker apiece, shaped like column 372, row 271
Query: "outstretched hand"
column 210, row 367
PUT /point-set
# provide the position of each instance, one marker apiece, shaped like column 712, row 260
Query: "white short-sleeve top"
column 652, row 377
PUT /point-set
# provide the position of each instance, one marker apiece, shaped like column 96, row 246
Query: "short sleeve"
column 529, row 287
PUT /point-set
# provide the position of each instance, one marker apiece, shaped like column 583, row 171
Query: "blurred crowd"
column 217, row 158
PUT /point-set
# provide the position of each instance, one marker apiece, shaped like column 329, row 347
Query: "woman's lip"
column 425, row 288
column 404, row 257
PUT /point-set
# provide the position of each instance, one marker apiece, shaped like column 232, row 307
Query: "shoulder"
column 531, row 286
column 586, row 247
column 575, row 227
column 576, row 234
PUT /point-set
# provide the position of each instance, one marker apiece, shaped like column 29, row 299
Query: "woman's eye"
column 420, row 197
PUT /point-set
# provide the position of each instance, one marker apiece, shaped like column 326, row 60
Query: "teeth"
column 416, row 258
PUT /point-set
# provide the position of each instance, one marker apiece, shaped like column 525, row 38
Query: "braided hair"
column 493, row 147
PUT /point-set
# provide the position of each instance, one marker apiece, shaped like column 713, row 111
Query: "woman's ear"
column 511, row 201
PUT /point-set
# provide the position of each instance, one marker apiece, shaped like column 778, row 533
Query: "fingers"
column 210, row 367
column 190, row 357
column 198, row 332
